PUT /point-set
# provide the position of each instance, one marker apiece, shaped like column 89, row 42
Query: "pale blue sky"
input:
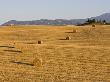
column 51, row 9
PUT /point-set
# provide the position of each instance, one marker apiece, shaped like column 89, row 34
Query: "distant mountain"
column 105, row 16
column 46, row 22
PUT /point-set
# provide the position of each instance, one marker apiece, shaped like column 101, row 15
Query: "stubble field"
column 83, row 58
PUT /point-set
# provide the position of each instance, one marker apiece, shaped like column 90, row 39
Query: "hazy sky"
column 51, row 9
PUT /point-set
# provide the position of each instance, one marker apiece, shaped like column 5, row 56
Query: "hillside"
column 46, row 22
column 83, row 58
column 105, row 16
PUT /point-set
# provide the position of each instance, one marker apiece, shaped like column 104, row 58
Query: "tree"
column 90, row 21
column 104, row 22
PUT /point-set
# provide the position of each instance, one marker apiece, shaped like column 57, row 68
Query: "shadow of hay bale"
column 17, row 51
column 74, row 31
column 30, row 43
column 7, row 46
column 23, row 63
column 62, row 39
column 68, row 32
column 67, row 38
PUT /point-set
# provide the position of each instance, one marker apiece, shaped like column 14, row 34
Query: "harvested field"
column 83, row 58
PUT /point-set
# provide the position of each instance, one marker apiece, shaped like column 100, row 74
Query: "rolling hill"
column 105, row 16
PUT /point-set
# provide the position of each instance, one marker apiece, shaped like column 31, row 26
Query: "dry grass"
column 84, row 58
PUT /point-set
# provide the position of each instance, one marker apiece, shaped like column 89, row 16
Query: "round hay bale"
column 74, row 30
column 40, row 42
column 93, row 25
column 68, row 38
column 37, row 62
